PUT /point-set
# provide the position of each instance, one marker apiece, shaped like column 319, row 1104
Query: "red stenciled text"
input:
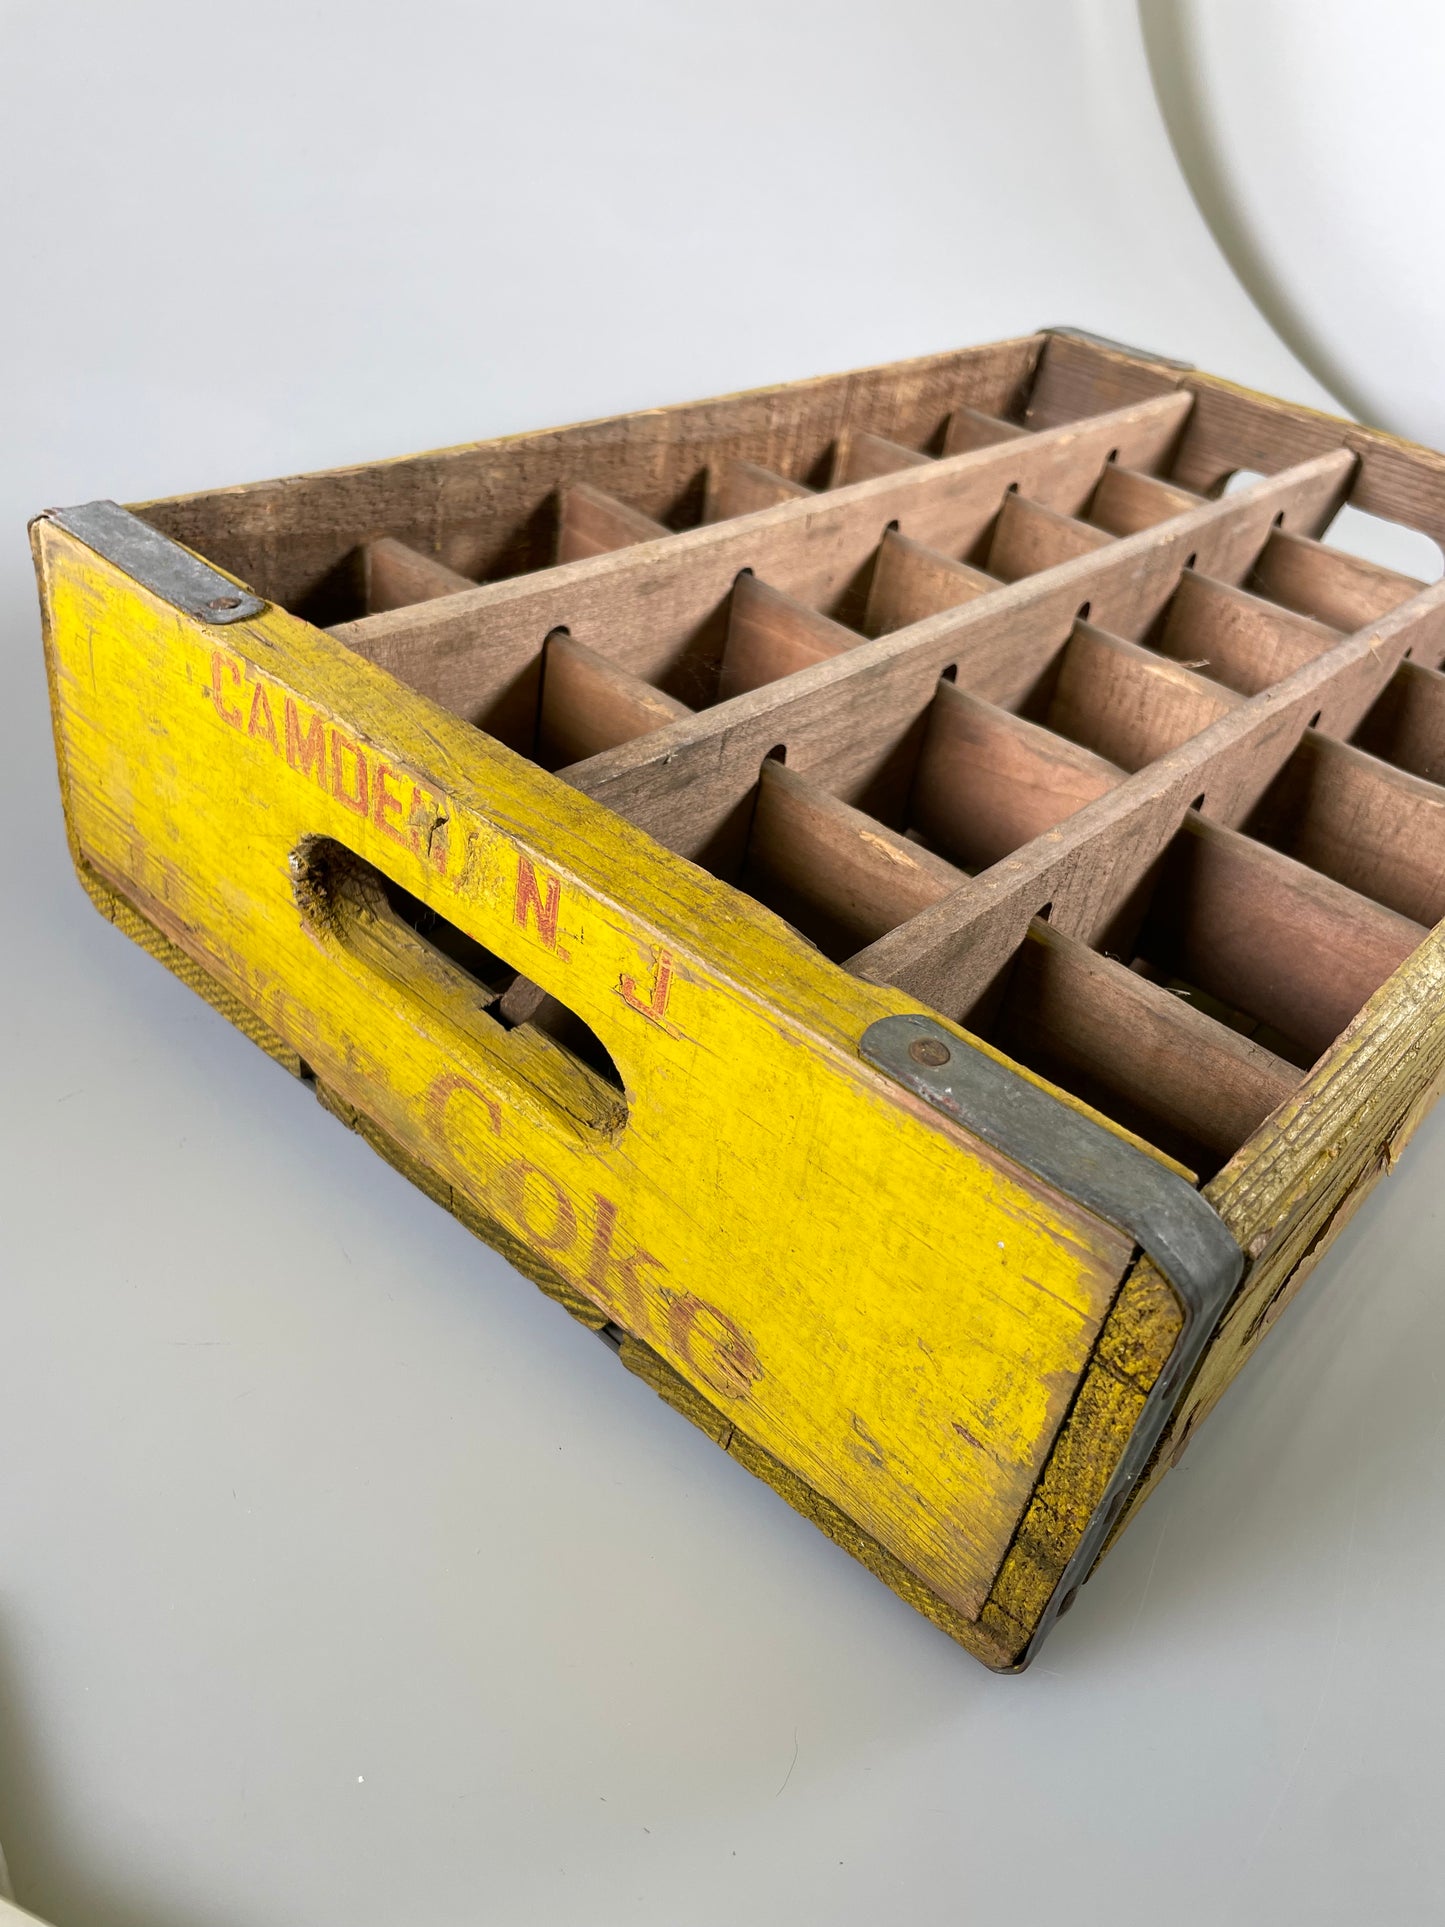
column 355, row 776
column 584, row 1237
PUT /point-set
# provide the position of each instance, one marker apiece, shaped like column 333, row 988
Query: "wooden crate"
column 902, row 900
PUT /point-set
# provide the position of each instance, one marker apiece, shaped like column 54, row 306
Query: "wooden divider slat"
column 1318, row 948
column 1089, row 867
column 842, row 719
column 772, row 635
column 1241, row 640
column 522, row 1002
column 737, row 487
column 1265, row 933
column 1126, row 501
column 590, row 522
column 589, row 703
column 971, row 428
column 1142, row 1053
column 1329, row 584
column 987, row 782
column 396, row 575
column 1406, row 726
column 1126, row 703
column 860, row 456
column 477, row 654
column 1029, row 537
column 1151, row 1060
column 1361, row 821
column 910, row 582
column 840, row 874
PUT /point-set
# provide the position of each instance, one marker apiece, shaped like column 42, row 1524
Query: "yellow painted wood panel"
column 894, row 1312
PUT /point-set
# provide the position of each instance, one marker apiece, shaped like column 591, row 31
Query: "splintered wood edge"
column 1131, row 1351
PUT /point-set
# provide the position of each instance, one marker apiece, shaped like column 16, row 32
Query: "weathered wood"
column 1341, row 590
column 590, row 522
column 1156, row 817
column 694, row 990
column 1294, row 1186
column 740, row 488
column 1359, row 820
column 973, row 428
column 987, row 781
column 1406, row 724
column 1126, row 703
column 488, row 510
column 1126, row 501
column 841, row 720
column 832, row 870
column 1029, row 537
column 395, row 575
column 860, row 456
column 771, row 635
column 478, row 654
column 589, row 703
column 1241, row 640
column 1127, row 1046
column 1090, row 866
column 911, row 581
column 1270, row 936
column 1138, row 1053
column 1231, row 430
column 1077, row 377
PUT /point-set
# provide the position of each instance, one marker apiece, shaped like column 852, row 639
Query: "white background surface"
column 1311, row 131
column 342, row 1578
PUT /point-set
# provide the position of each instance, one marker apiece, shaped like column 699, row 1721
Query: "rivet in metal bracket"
column 931, row 1051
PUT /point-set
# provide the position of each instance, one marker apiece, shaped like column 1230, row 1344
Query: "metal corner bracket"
column 157, row 563
column 1160, row 1209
